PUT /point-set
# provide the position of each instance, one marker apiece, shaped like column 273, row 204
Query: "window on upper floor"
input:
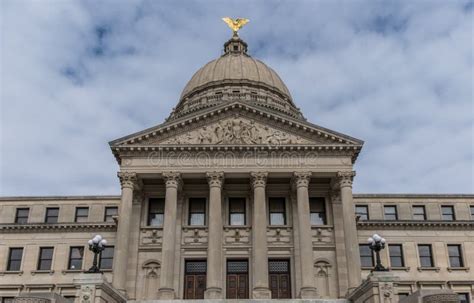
column 21, row 216
column 472, row 211
column 390, row 212
column 447, row 212
column 362, row 211
column 426, row 255
column 317, row 208
column 45, row 258
column 396, row 255
column 82, row 214
column 455, row 255
column 106, row 258
column 110, row 213
column 15, row 256
column 366, row 255
column 76, row 255
column 197, row 211
column 52, row 214
column 463, row 297
column 237, row 211
column 419, row 212
column 156, row 211
column 277, row 211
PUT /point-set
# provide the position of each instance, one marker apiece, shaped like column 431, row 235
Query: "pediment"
column 236, row 124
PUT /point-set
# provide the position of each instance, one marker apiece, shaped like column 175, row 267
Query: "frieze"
column 412, row 224
column 236, row 131
column 58, row 227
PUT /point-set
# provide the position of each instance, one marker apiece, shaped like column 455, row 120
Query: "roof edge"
column 404, row 195
column 42, row 198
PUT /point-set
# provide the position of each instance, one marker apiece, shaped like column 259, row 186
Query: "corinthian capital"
column 345, row 178
column 302, row 179
column 215, row 179
column 172, row 179
column 127, row 179
column 258, row 179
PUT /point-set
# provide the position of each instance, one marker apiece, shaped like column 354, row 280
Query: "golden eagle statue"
column 236, row 24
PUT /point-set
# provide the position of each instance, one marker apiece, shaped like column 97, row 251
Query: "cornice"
column 413, row 224
column 423, row 196
column 47, row 198
column 59, row 227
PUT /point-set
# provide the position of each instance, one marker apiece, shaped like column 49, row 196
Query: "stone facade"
column 236, row 188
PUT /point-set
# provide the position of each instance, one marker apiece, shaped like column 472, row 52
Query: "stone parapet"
column 94, row 288
column 379, row 287
column 431, row 296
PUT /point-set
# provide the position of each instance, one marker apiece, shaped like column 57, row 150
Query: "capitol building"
column 237, row 195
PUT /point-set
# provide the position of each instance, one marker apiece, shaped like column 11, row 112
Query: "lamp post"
column 96, row 245
column 377, row 243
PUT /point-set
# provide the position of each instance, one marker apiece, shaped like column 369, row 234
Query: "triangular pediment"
column 236, row 124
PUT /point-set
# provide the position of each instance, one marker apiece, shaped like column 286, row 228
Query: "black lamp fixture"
column 96, row 245
column 377, row 243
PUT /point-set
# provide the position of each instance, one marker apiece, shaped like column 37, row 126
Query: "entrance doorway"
column 279, row 276
column 195, row 279
column 237, row 279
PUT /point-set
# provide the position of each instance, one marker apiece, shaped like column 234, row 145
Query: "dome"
column 235, row 75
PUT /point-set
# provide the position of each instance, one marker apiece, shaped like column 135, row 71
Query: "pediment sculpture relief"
column 236, row 131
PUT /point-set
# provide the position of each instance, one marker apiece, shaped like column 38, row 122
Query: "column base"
column 261, row 293
column 213, row 293
column 166, row 294
column 308, row 293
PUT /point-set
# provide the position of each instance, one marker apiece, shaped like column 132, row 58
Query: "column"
column 308, row 290
column 214, row 250
column 351, row 241
column 259, row 237
column 166, row 291
column 128, row 181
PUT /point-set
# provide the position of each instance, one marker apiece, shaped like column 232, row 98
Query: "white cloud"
column 77, row 74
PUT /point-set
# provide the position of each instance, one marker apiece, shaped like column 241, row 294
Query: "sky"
column 78, row 74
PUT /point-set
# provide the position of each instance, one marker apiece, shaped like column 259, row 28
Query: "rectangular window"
column 366, row 255
column 472, row 211
column 106, row 258
column 76, row 255
column 396, row 255
column 52, row 214
column 237, row 211
column 390, row 212
column 419, row 212
column 362, row 211
column 463, row 297
column 197, row 211
column 21, row 216
column 317, row 208
column 14, row 259
column 82, row 214
column 426, row 255
column 8, row 299
column 277, row 211
column 447, row 212
column 156, row 211
column 110, row 213
column 45, row 258
column 455, row 255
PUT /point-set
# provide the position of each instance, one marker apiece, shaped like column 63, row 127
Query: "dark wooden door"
column 195, row 280
column 237, row 279
column 279, row 276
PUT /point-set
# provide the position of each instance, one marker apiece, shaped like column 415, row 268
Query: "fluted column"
column 350, row 229
column 259, row 237
column 214, row 250
column 128, row 181
column 307, row 291
column 166, row 291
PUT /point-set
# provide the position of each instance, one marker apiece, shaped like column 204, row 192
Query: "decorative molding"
column 57, row 227
column 215, row 179
column 371, row 224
